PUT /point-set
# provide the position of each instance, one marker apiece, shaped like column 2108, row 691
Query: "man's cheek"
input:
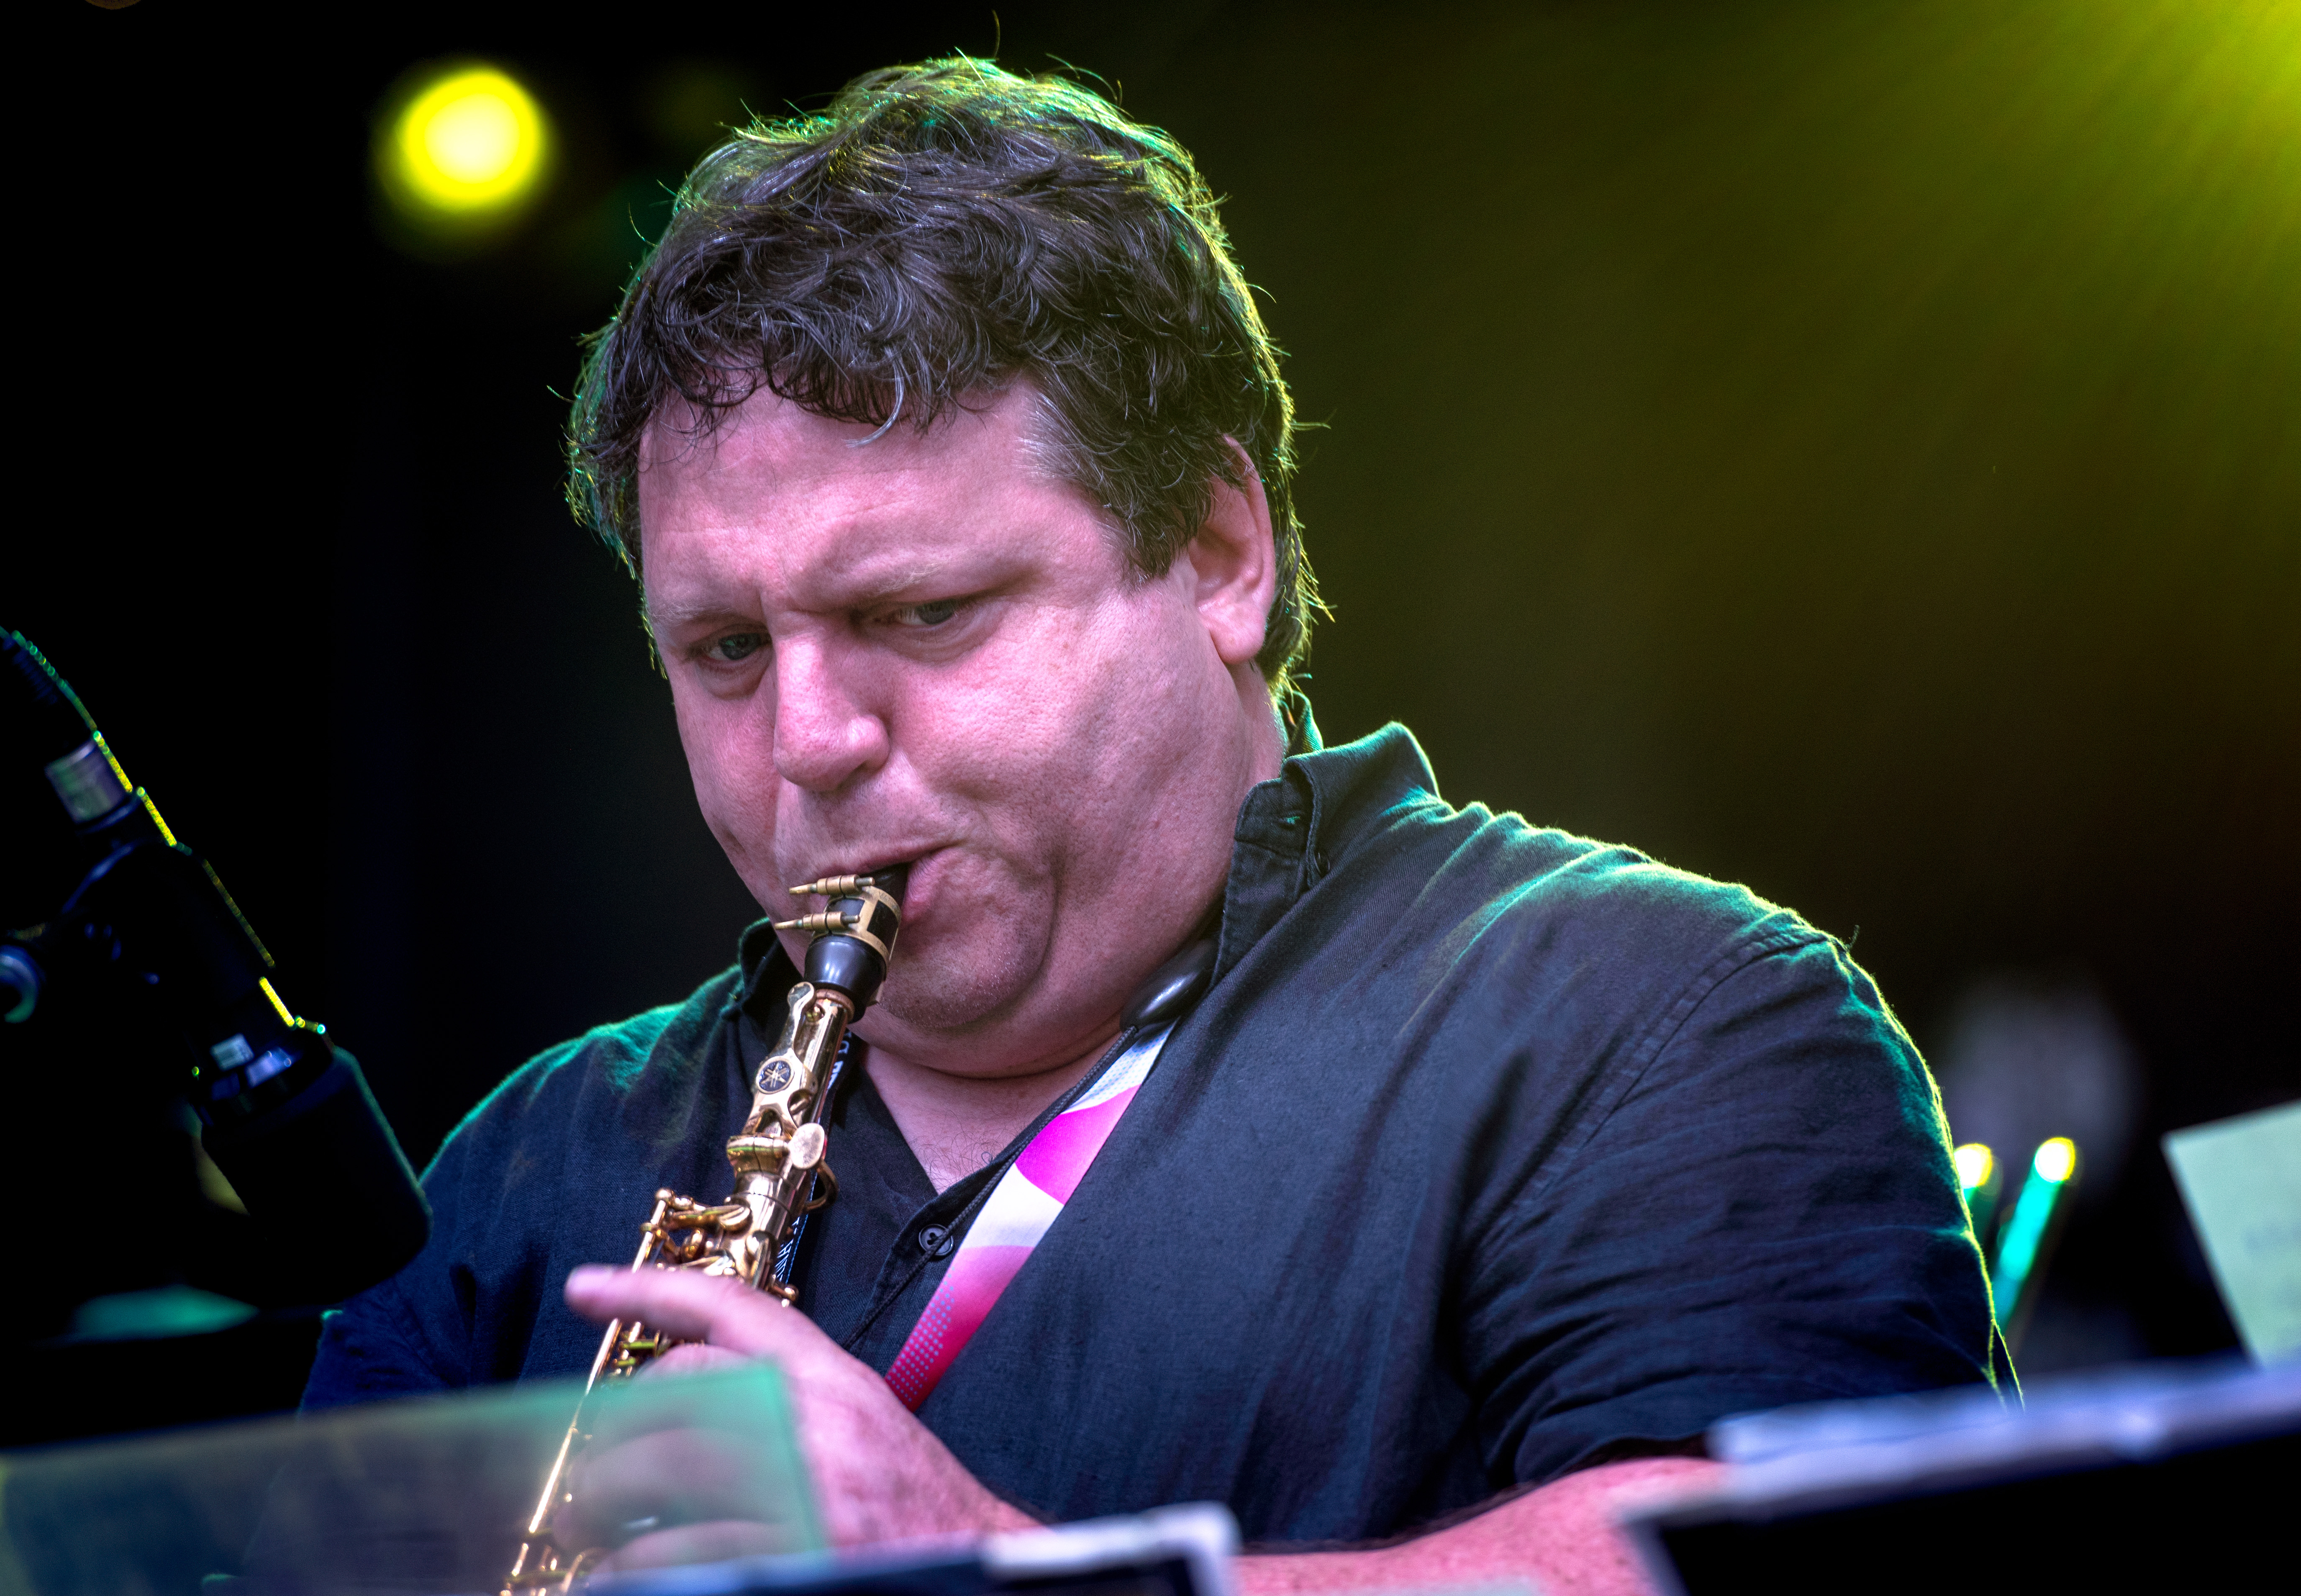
column 743, row 819
column 723, row 749
column 739, row 810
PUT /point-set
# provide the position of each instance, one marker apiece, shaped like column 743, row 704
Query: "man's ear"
column 1234, row 566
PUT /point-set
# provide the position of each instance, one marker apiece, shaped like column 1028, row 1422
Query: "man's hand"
column 879, row 1474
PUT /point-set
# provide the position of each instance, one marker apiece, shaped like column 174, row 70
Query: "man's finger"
column 696, row 1358
column 689, row 1306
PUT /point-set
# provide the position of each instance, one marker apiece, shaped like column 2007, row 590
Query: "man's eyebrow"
column 864, row 584
column 868, row 588
column 679, row 618
column 865, row 580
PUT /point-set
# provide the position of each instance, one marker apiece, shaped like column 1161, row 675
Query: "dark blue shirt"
column 1491, row 1152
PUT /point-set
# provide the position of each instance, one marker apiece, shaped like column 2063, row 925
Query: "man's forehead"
column 770, row 445
column 825, row 501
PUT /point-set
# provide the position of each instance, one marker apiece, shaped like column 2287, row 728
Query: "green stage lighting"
column 460, row 150
column 2025, row 1244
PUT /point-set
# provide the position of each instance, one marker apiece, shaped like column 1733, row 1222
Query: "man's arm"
column 1560, row 1536
column 366, row 1354
column 881, row 1474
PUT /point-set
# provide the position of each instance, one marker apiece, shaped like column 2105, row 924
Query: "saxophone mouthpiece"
column 855, row 933
column 831, row 920
column 890, row 880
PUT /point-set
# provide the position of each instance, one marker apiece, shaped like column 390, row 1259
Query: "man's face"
column 923, row 649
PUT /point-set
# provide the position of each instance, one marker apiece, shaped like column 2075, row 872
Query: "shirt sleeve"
column 406, row 1335
column 1767, row 1214
column 375, row 1345
column 482, row 1302
column 366, row 1355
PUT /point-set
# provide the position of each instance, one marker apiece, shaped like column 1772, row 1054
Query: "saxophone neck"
column 787, row 1089
column 851, row 940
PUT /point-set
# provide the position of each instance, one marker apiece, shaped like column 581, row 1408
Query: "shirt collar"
column 1294, row 829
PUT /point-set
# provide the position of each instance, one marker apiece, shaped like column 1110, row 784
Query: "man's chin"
column 929, row 998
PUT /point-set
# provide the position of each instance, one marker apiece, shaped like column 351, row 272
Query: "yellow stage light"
column 463, row 148
column 1974, row 1162
column 2056, row 1160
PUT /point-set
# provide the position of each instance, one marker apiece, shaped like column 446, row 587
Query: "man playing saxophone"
column 1239, row 1120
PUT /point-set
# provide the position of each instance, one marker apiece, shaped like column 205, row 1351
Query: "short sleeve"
column 1767, row 1215
column 412, row 1332
column 606, row 1117
column 366, row 1354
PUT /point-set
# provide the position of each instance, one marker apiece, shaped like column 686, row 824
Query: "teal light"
column 2050, row 1170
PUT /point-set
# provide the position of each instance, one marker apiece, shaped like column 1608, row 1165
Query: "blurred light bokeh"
column 461, row 149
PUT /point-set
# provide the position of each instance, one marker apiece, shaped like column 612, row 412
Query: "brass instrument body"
column 777, row 1159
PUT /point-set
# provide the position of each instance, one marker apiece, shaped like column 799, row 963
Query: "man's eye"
column 737, row 645
column 934, row 613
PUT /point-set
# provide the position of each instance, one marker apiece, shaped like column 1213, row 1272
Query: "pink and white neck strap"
column 1022, row 1206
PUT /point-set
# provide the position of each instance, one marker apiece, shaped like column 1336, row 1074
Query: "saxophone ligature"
column 779, row 1168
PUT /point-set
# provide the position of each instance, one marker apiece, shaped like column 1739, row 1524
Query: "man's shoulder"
column 1470, row 872
column 1620, row 888
column 657, row 1053
column 1502, row 882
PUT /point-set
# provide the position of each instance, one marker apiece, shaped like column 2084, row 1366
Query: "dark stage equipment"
column 2168, row 1475
column 121, row 934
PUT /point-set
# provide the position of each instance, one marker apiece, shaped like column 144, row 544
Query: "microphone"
column 112, row 898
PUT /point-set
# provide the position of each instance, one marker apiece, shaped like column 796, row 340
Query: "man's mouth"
column 892, row 879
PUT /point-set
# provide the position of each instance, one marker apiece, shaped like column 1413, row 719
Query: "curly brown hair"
column 938, row 232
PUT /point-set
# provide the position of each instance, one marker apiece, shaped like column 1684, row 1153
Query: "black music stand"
column 2172, row 1476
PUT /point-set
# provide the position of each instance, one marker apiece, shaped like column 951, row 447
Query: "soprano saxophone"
column 780, row 1174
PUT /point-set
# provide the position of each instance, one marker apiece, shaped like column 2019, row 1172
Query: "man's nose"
column 825, row 735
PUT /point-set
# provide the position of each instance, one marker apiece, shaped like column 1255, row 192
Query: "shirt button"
column 936, row 1242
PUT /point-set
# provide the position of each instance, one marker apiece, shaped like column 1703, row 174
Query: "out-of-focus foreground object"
column 2241, row 1179
column 424, row 1495
column 419, row 1495
column 2161, row 1477
column 1183, row 1550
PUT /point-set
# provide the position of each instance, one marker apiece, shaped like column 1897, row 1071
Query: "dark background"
column 1847, row 449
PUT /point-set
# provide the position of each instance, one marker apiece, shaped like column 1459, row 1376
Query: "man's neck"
column 958, row 1123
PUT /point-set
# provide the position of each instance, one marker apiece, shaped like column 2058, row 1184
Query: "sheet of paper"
column 2241, row 1179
